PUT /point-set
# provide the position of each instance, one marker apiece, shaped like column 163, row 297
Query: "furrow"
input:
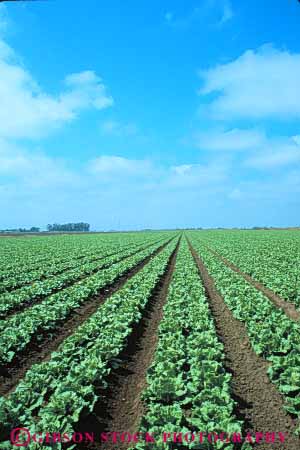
column 120, row 406
column 40, row 349
column 260, row 405
column 288, row 307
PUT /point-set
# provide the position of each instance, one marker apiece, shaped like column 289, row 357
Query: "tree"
column 81, row 226
column 34, row 230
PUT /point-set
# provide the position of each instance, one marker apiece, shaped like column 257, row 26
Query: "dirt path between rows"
column 39, row 351
column 55, row 272
column 37, row 300
column 259, row 403
column 288, row 308
column 121, row 407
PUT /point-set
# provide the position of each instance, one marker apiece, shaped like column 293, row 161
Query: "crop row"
column 272, row 259
column 40, row 289
column 51, row 268
column 17, row 331
column 23, row 255
column 27, row 254
column 54, row 393
column 188, row 388
column 63, row 260
column 272, row 334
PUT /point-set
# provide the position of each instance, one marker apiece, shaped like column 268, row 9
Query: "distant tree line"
column 263, row 228
column 81, row 226
column 21, row 230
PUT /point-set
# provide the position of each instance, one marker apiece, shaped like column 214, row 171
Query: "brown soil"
column 259, row 403
column 37, row 300
column 54, row 273
column 40, row 350
column 121, row 407
column 288, row 308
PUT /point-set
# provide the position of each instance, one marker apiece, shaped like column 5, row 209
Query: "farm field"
column 152, row 332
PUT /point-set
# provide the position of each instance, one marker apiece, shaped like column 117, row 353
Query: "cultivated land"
column 151, row 332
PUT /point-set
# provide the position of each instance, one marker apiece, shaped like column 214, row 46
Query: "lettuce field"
column 164, row 334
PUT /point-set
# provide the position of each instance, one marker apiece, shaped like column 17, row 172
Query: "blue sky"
column 158, row 114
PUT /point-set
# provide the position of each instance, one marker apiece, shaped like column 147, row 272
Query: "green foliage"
column 60, row 277
column 17, row 331
column 271, row 333
column 85, row 358
column 271, row 257
column 188, row 388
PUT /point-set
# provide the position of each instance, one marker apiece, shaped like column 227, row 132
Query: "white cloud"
column 44, row 189
column 230, row 140
column 12, row 161
column 216, row 12
column 259, row 151
column 235, row 194
column 108, row 166
column 26, row 111
column 113, row 127
column 33, row 169
column 275, row 156
column 284, row 188
column 86, row 91
column 259, row 84
column 227, row 12
column 184, row 169
column 296, row 139
column 197, row 175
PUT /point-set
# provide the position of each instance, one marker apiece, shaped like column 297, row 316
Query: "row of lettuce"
column 17, row 331
column 188, row 388
column 22, row 255
column 54, row 393
column 272, row 334
column 54, row 266
column 271, row 257
column 63, row 256
column 38, row 290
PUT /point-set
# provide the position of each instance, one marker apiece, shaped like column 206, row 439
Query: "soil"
column 40, row 350
column 288, row 308
column 259, row 403
column 121, row 407
column 68, row 284
column 54, row 273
